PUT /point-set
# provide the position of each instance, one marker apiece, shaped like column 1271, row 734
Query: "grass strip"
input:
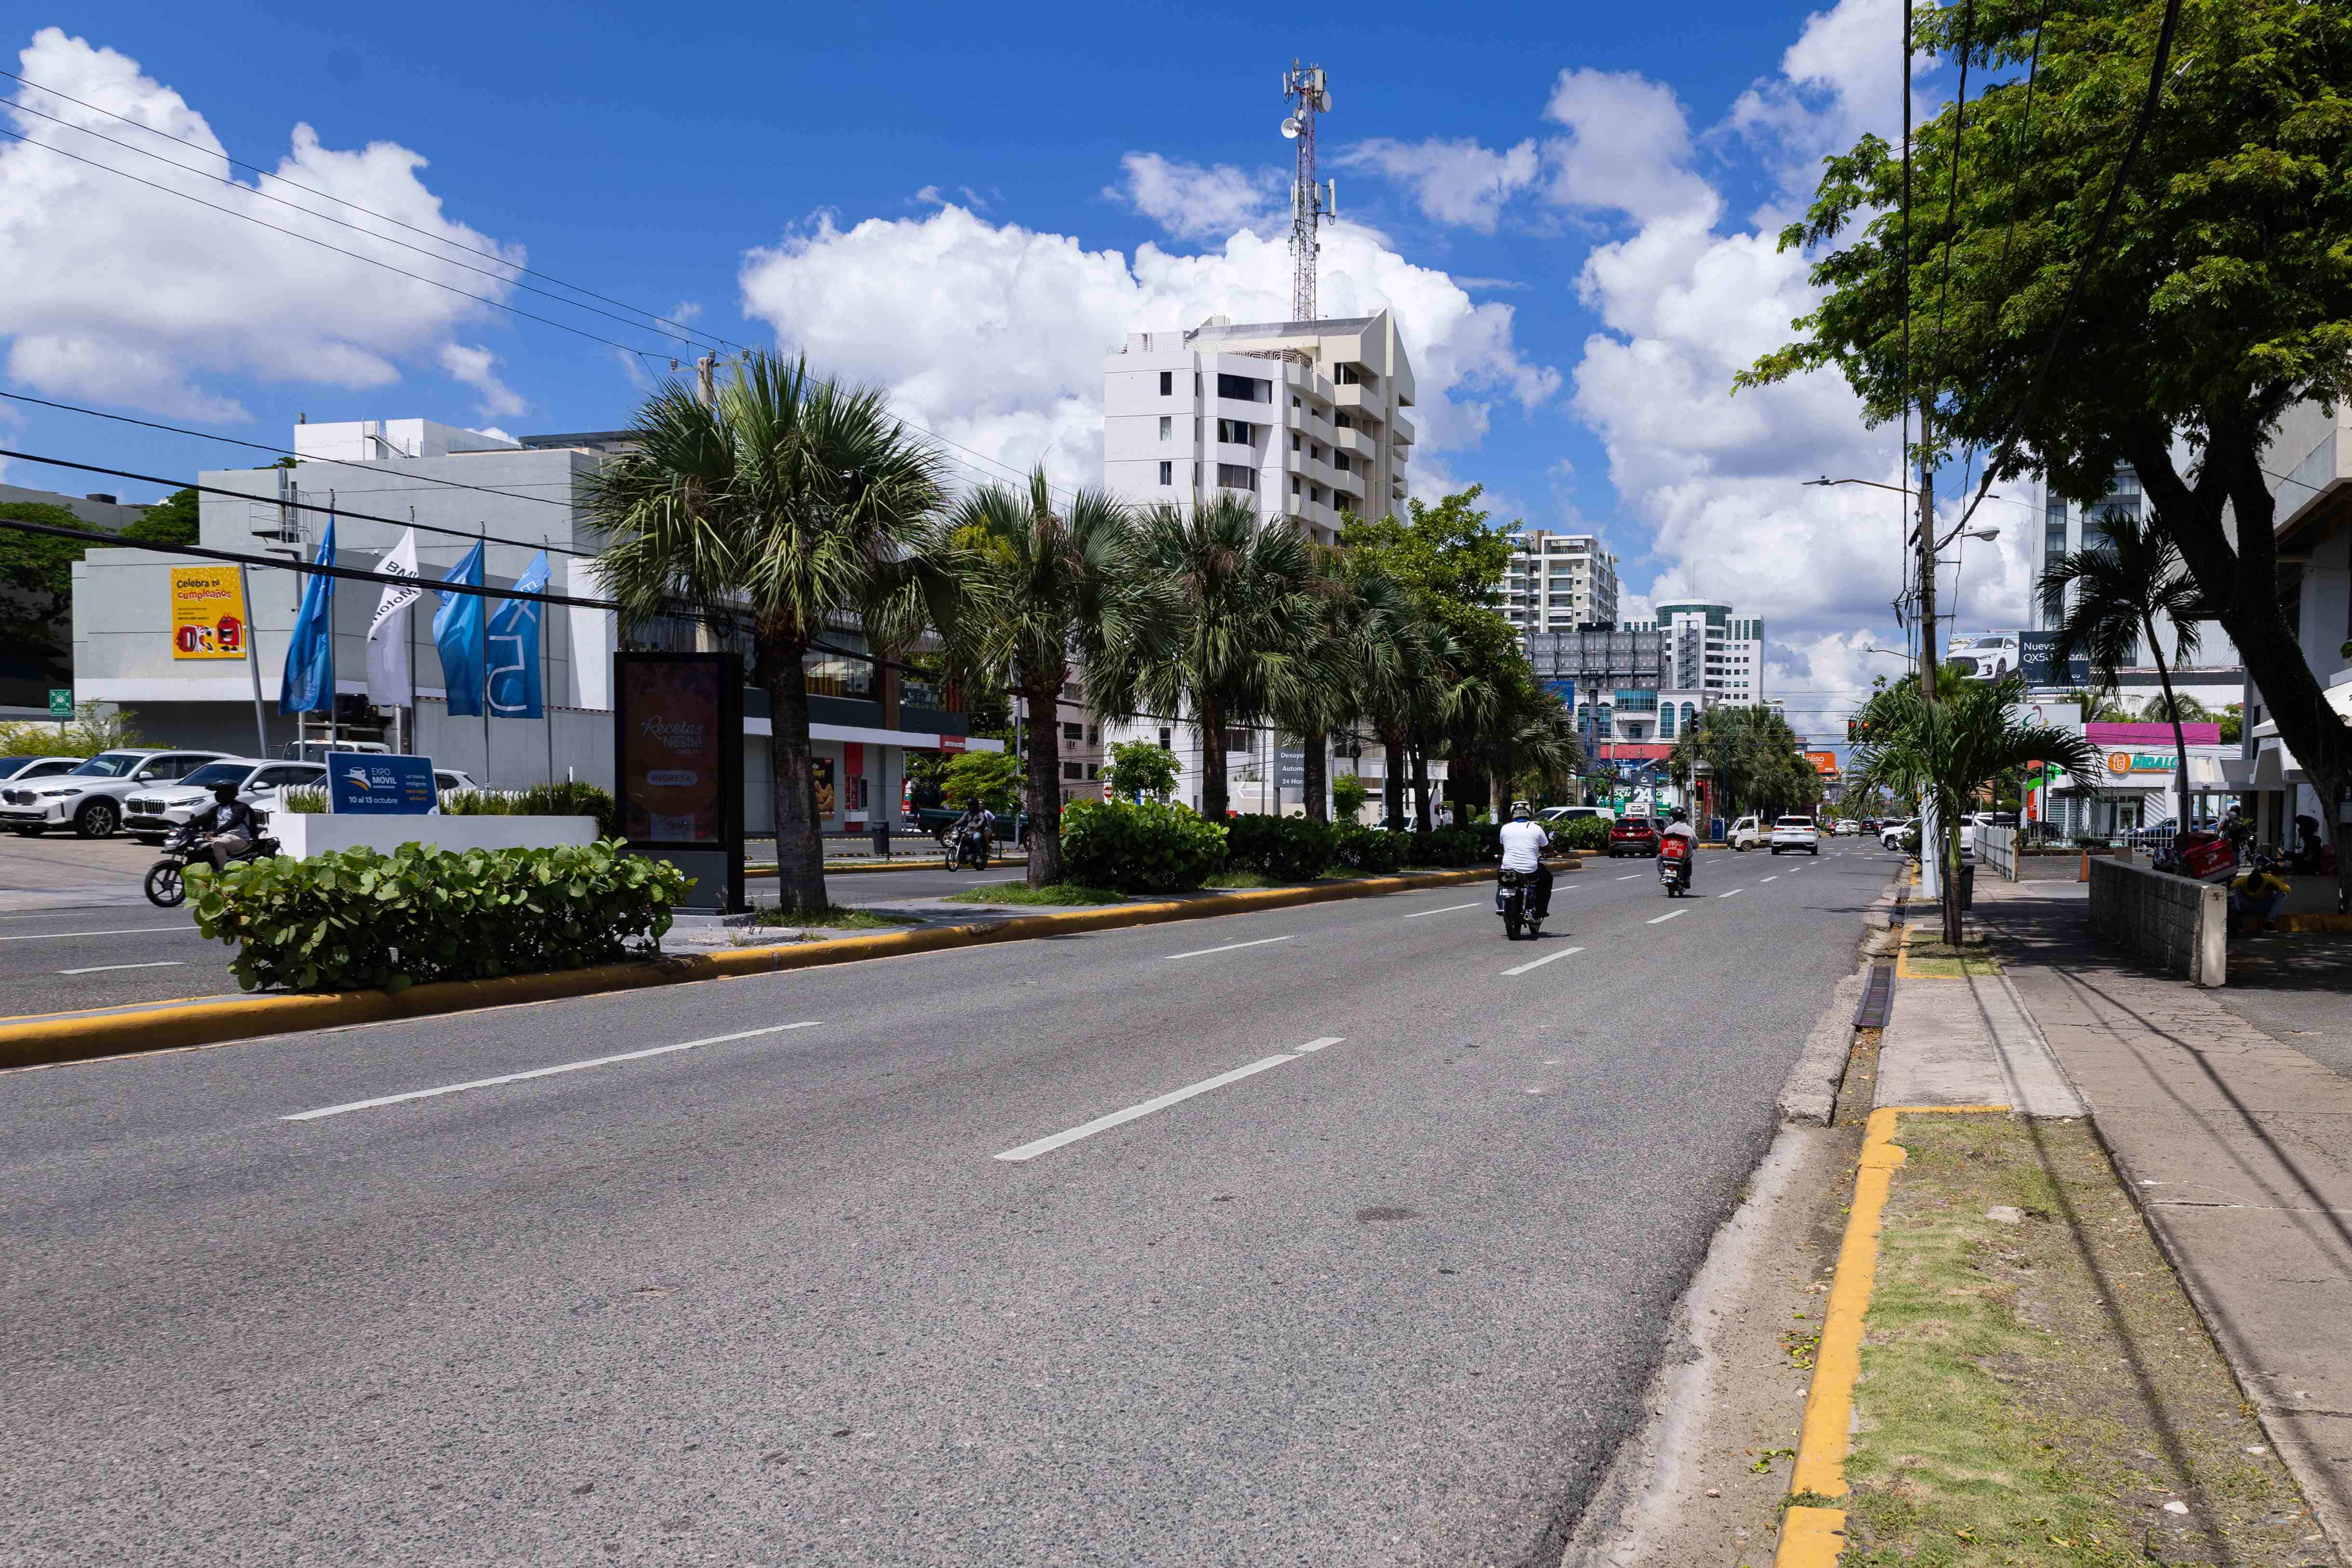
column 835, row 919
column 2035, row 1388
column 1022, row 893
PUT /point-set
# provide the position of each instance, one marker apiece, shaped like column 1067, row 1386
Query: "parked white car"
column 1795, row 833
column 151, row 814
column 1747, row 833
column 1892, row 834
column 89, row 799
column 1558, row 813
column 24, row 770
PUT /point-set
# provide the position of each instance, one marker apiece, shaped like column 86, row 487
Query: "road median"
column 52, row 1039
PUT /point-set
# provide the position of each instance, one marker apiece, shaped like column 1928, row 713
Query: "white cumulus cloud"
column 1195, row 203
column 114, row 290
column 1627, row 149
column 994, row 335
column 1455, row 182
column 478, row 368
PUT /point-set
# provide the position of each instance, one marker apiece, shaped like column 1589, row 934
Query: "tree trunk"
column 1421, row 821
column 1042, row 795
column 800, row 851
column 1950, row 829
column 1393, row 778
column 2172, row 709
column 1317, row 744
column 1212, row 758
column 2241, row 581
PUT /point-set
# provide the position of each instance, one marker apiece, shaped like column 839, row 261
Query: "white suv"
column 89, row 799
column 152, row 814
column 1796, row 832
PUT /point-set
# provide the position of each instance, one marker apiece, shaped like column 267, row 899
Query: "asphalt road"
column 1384, row 1289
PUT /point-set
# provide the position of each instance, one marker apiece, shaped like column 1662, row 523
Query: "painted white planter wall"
column 305, row 834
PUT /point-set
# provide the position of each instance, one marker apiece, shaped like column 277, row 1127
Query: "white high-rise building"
column 1557, row 582
column 1307, row 417
column 1709, row 649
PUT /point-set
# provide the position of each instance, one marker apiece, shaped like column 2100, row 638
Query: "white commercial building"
column 1557, row 582
column 2309, row 469
column 1712, row 649
column 1307, row 416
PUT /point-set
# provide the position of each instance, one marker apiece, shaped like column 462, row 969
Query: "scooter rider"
column 1524, row 842
column 976, row 819
column 1678, row 826
column 227, row 825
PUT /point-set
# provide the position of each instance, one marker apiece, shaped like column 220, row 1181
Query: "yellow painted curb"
column 2314, row 924
column 47, row 1040
column 1812, row 1536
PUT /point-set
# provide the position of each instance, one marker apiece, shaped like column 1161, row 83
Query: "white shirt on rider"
column 1523, row 845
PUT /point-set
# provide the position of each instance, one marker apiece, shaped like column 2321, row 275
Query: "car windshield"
column 111, row 764
column 212, row 774
column 1993, row 642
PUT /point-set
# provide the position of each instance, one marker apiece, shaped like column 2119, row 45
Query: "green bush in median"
column 1372, row 850
column 1457, row 846
column 1582, row 832
column 1286, row 848
column 364, row 919
column 1138, row 848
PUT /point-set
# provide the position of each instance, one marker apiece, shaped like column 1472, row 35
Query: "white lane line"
column 1162, row 1102
column 1229, row 947
column 1773, row 877
column 1733, row 894
column 1664, row 919
column 540, row 1072
column 1540, row 963
column 102, row 968
column 119, row 930
column 1628, row 878
column 1446, row 911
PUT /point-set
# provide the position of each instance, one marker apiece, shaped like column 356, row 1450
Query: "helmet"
column 224, row 792
column 1680, row 813
column 1520, row 812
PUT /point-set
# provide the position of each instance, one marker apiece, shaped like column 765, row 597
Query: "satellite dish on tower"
column 1323, row 101
column 1290, row 129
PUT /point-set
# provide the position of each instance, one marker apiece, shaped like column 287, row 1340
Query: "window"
column 1240, row 741
column 1196, row 427
column 1167, row 473
column 1354, row 375
column 1316, row 453
column 1341, row 421
column 1073, row 771
column 1236, row 432
column 1237, row 477
column 1167, row 739
column 1196, row 383
column 1167, row 426
column 1073, row 731
column 1666, row 722
column 1167, row 383
column 1243, row 388
column 1339, row 462
column 1294, row 484
column 1094, row 734
column 1196, row 476
column 1094, row 770
column 1315, row 494
column 1294, row 400
column 1294, row 443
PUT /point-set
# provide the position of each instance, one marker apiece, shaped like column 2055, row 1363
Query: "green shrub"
column 1582, row 832
column 90, row 733
column 361, row 918
column 1146, row 848
column 1368, row 850
column 303, row 800
column 1455, row 847
column 1349, row 793
column 1286, row 848
column 570, row 798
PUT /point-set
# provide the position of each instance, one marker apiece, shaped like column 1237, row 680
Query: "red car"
column 1632, row 836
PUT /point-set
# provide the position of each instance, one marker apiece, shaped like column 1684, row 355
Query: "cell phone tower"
column 1311, row 206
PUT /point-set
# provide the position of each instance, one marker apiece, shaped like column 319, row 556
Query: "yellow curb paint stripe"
column 47, row 1039
column 1811, row 1537
column 1903, row 953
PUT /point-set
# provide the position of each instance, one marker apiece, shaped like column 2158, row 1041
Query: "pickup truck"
column 1796, row 832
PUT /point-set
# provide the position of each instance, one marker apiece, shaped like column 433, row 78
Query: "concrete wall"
column 2179, row 925
column 304, row 834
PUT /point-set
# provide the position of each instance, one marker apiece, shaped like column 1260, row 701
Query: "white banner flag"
column 387, row 651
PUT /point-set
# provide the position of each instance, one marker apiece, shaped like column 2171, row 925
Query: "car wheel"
column 1817, row 851
column 99, row 819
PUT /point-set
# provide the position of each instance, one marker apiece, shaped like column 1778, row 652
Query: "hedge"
column 1476, row 846
column 1582, row 832
column 1373, row 851
column 1287, row 848
column 1148, row 848
column 364, row 919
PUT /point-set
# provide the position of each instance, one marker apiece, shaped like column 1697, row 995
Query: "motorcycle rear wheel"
column 166, row 888
column 1510, row 928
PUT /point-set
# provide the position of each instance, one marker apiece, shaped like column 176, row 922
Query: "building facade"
column 1307, row 417
column 2309, row 464
column 1712, row 649
column 1557, row 582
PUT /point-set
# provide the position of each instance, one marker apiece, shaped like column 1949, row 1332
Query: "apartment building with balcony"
column 1712, row 649
column 1557, row 582
column 1306, row 417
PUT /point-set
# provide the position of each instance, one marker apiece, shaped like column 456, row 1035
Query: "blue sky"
column 1570, row 208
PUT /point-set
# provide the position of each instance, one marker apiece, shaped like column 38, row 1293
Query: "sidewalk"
column 2238, row 1149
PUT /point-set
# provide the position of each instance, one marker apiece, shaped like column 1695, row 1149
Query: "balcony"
column 1403, row 429
column 1356, row 444
column 1359, row 396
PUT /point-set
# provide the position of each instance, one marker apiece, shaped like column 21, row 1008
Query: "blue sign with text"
column 372, row 783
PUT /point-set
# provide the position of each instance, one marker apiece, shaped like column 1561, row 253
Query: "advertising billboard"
column 678, row 740
column 2041, row 671
column 1824, row 762
column 208, row 619
column 369, row 783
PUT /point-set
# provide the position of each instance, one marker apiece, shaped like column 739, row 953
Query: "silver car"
column 89, row 798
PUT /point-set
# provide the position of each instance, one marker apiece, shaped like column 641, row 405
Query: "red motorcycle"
column 2201, row 856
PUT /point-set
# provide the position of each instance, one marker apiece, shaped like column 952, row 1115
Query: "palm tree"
column 1047, row 584
column 2121, row 586
column 1939, row 757
column 789, row 504
column 1348, row 645
column 1237, row 588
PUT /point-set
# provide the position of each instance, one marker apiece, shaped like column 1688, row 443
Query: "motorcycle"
column 1674, row 866
column 966, row 847
column 2203, row 856
column 1515, row 893
column 166, row 887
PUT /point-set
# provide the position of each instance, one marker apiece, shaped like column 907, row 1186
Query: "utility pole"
column 706, row 380
column 1309, row 210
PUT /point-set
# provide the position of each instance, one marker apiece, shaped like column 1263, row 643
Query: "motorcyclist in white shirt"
column 1680, row 827
column 1524, row 842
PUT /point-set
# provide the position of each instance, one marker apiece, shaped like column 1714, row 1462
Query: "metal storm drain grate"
column 1877, row 998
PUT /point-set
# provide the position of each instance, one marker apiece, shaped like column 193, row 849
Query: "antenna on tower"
column 1311, row 208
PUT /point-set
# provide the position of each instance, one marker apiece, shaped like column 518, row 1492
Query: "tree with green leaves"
column 991, row 778
column 1940, row 756
column 2107, row 599
column 172, row 520
column 1234, row 589
column 36, row 571
column 1140, row 769
column 2217, row 299
column 1048, row 583
column 1755, row 758
column 792, row 505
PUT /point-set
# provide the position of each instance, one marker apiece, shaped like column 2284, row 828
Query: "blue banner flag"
column 458, row 633
column 309, row 685
column 514, row 649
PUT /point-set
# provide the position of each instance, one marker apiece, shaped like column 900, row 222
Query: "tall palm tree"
column 1237, row 588
column 789, row 504
column 1940, row 756
column 1048, row 584
column 1345, row 643
column 2120, row 588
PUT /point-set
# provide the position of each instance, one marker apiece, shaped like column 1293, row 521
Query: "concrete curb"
column 47, row 1039
column 1813, row 1534
column 1809, row 1096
